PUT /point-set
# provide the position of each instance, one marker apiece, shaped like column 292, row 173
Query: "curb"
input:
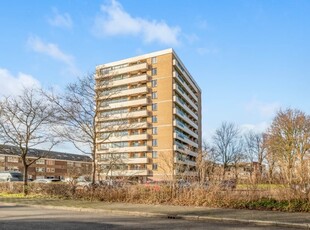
column 171, row 216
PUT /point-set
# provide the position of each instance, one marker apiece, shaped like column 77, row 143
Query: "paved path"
column 271, row 218
column 19, row 217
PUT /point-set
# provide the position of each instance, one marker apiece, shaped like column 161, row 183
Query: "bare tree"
column 255, row 150
column 77, row 111
column 206, row 163
column 289, row 140
column 227, row 144
column 25, row 122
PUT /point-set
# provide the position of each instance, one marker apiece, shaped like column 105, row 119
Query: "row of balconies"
column 184, row 150
column 136, row 125
column 130, row 80
column 186, row 140
column 185, row 128
column 188, row 78
column 129, row 149
column 136, row 102
column 184, row 161
column 136, row 137
column 136, row 160
column 175, row 75
column 134, row 114
column 192, row 103
column 130, row 172
column 130, row 68
column 185, row 107
column 185, row 118
column 127, row 92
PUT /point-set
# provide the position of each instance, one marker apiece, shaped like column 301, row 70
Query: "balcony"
column 136, row 172
column 186, row 162
column 185, row 107
column 137, row 160
column 185, row 129
column 134, row 114
column 185, row 74
column 183, row 94
column 127, row 92
column 142, row 101
column 185, row 118
column 128, row 138
column 128, row 69
column 184, row 84
column 124, row 150
column 133, row 79
column 185, row 151
column 140, row 160
column 185, row 139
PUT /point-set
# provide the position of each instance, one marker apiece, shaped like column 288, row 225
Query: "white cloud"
column 52, row 50
column 116, row 21
column 264, row 109
column 60, row 20
column 13, row 85
column 260, row 127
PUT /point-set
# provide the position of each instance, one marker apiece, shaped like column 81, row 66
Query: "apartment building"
column 50, row 165
column 149, row 123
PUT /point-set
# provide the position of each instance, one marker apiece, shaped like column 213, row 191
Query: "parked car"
column 228, row 184
column 8, row 176
column 43, row 180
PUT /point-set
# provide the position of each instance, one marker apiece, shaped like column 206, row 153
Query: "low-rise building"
column 50, row 164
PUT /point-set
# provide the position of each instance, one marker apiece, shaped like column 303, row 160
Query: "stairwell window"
column 154, row 83
column 154, row 142
column 154, row 60
column 154, row 71
column 154, row 107
column 154, row 166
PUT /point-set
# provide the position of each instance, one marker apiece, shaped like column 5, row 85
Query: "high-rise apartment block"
column 149, row 122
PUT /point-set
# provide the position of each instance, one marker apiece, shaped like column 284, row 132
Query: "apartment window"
column 154, row 166
column 52, row 170
column 154, row 83
column 50, row 162
column 154, row 60
column 40, row 169
column 154, row 95
column 154, row 130
column 13, row 159
column 154, row 154
column 40, row 162
column 154, row 119
column 154, row 107
column 154, row 142
column 154, row 71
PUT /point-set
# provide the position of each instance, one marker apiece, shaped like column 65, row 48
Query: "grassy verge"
column 278, row 198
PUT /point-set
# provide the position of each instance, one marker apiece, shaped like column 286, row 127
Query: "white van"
column 8, row 176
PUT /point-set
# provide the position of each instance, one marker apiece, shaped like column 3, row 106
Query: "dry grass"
column 269, row 198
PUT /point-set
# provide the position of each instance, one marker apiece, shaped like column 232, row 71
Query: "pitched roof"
column 12, row 150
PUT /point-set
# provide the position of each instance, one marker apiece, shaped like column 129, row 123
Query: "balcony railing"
column 124, row 149
column 184, row 84
column 185, row 118
column 133, row 79
column 127, row 92
column 181, row 69
column 185, row 128
column 185, row 107
column 142, row 101
column 127, row 69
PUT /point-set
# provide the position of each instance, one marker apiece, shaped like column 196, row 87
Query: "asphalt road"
column 22, row 217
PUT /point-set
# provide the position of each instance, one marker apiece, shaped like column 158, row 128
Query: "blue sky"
column 250, row 58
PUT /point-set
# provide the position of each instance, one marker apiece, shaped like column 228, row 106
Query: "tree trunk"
column 25, row 186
